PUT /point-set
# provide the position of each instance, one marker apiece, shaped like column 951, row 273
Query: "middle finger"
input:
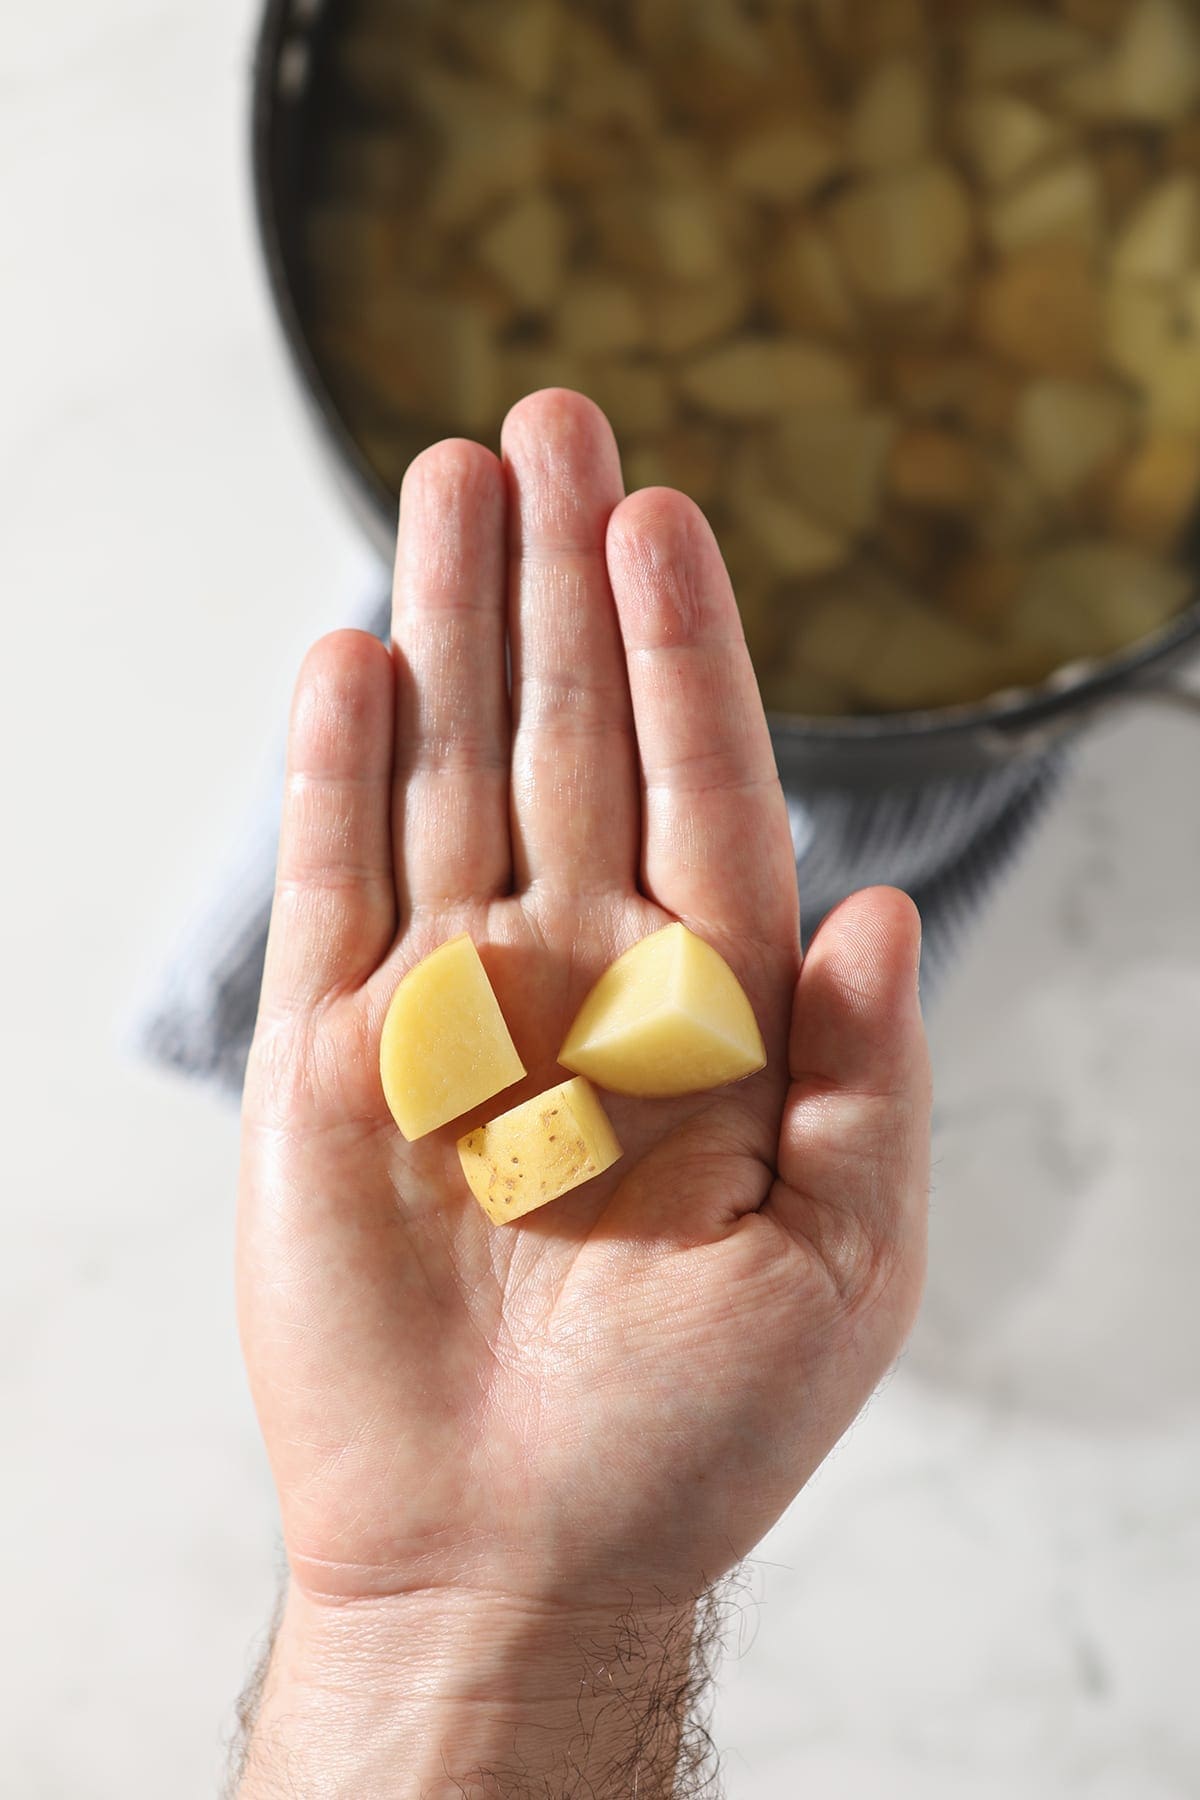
column 574, row 794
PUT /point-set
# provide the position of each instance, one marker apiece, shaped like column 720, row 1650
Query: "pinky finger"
column 334, row 911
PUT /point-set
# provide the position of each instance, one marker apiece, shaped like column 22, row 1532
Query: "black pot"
column 853, row 755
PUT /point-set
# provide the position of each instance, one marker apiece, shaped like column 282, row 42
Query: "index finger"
column 717, row 845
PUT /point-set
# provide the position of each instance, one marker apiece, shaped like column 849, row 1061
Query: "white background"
column 992, row 1588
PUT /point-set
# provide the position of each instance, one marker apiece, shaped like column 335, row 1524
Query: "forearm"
column 445, row 1696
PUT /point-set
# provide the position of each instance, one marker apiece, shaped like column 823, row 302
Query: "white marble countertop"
column 992, row 1588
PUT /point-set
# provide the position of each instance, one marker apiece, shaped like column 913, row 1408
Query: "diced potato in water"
column 526, row 247
column 935, row 469
column 834, row 459
column 1014, row 43
column 538, row 1151
column 857, row 31
column 1069, row 430
column 689, row 457
column 686, row 316
column 1127, row 164
column 637, row 395
column 762, row 377
column 493, row 147
column 1042, row 309
column 979, row 591
column 958, row 387
column 869, row 278
column 797, row 544
column 668, row 1017
column 805, row 283
column 1064, row 200
column 1156, row 495
column 1139, row 330
column 1154, row 75
column 904, row 235
column 1003, row 135
column 1101, row 16
column 867, row 635
column 785, row 160
column 519, row 42
column 1161, row 241
column 601, row 315
column 1154, row 337
column 891, row 121
column 1095, row 597
column 445, row 1046
column 423, row 356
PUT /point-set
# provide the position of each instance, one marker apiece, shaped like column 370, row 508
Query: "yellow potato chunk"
column 668, row 1017
column 1003, row 136
column 537, row 1151
column 903, row 235
column 445, row 1046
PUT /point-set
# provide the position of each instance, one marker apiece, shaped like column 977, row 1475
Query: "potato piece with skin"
column 538, row 1151
column 445, row 1047
column 1069, row 431
column 764, row 377
column 1155, row 496
column 668, row 1017
column 1042, row 310
column 904, row 236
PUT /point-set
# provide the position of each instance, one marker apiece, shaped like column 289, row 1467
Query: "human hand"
column 490, row 1442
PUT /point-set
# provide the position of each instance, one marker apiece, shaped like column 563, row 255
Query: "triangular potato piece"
column 668, row 1017
column 445, row 1046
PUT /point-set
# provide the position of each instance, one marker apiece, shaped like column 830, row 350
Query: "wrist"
column 444, row 1694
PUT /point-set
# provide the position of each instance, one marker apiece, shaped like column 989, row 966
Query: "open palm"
column 624, row 1390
